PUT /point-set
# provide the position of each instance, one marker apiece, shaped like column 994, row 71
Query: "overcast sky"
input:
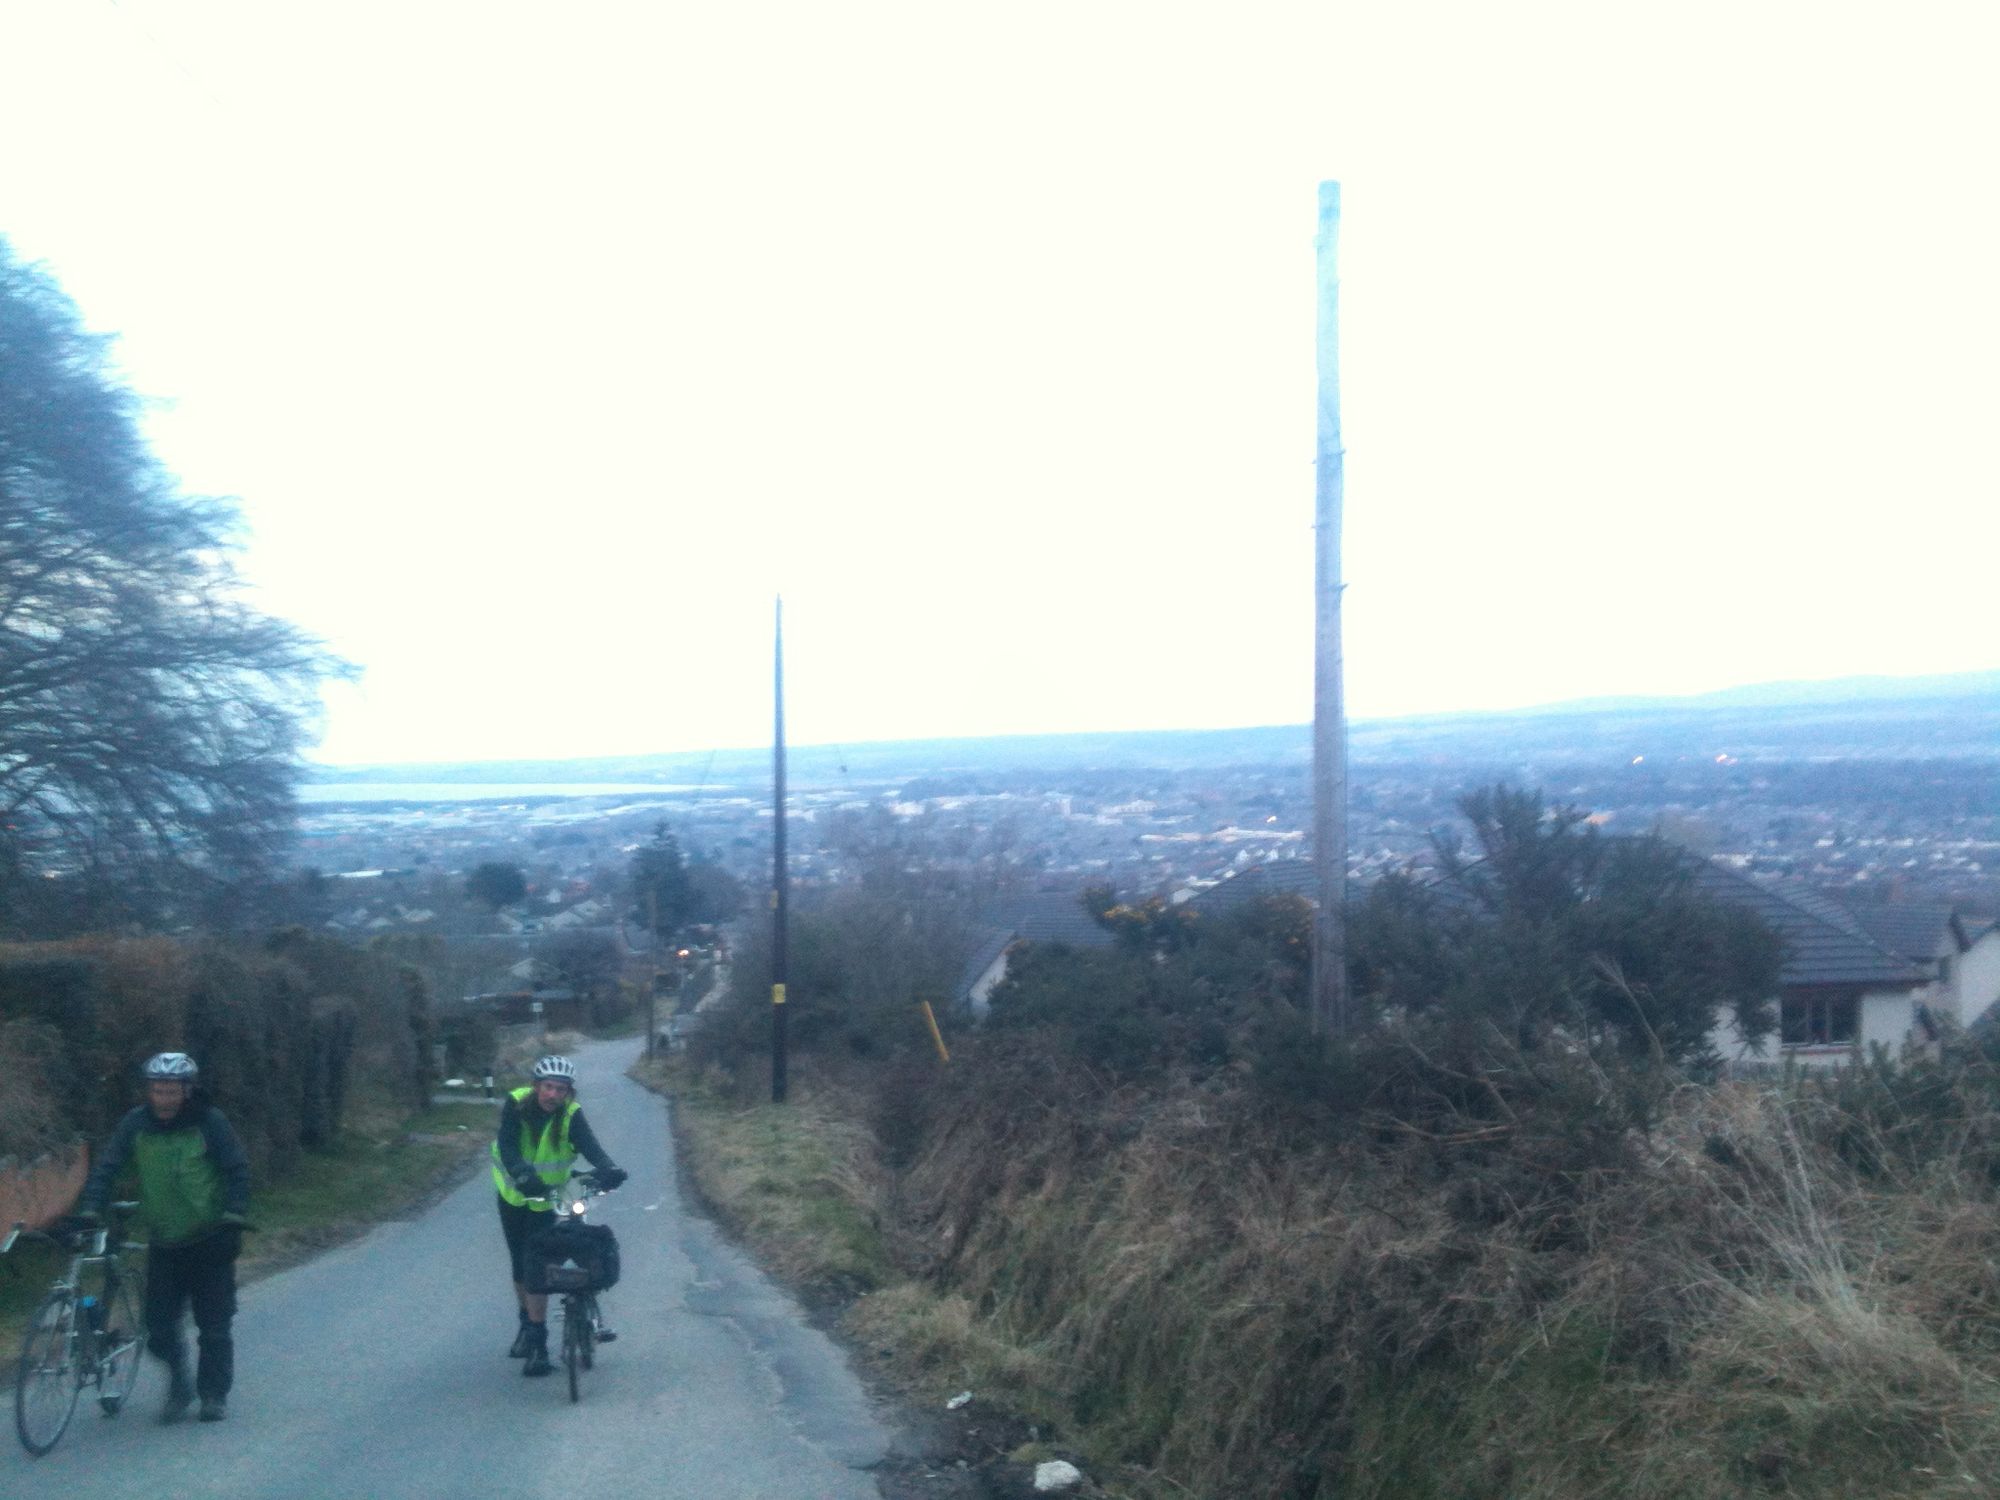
column 545, row 344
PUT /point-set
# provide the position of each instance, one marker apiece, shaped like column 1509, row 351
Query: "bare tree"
column 149, row 718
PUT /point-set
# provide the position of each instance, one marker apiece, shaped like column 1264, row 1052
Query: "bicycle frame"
column 78, row 1338
column 580, row 1314
column 98, row 1250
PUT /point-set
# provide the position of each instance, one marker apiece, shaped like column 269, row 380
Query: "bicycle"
column 78, row 1338
column 579, row 1283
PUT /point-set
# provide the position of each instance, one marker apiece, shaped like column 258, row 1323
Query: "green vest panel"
column 548, row 1151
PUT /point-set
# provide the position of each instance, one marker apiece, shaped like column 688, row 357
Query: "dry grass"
column 1736, row 1312
column 1208, row 1306
column 798, row 1181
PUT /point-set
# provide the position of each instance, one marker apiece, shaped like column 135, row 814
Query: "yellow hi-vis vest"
column 547, row 1151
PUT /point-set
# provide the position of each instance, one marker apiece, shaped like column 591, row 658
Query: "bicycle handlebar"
column 71, row 1235
column 591, row 1186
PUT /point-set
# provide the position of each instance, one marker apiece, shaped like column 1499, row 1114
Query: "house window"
column 1818, row 1020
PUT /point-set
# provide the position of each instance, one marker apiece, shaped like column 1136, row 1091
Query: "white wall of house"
column 1975, row 979
column 979, row 998
column 1885, row 1016
column 1889, row 1019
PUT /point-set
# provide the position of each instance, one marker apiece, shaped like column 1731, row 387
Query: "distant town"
column 1877, row 795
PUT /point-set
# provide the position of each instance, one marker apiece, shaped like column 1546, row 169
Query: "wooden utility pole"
column 653, row 983
column 1329, row 968
column 779, row 884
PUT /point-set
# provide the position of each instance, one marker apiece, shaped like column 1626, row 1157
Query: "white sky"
column 544, row 344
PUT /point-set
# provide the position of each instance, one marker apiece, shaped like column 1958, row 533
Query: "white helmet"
column 560, row 1068
column 172, row 1067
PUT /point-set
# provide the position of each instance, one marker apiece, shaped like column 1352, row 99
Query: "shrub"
column 281, row 1033
column 1210, row 1298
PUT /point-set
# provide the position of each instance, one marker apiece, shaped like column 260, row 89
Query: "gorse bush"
column 1545, row 935
column 1178, row 995
column 1894, row 1117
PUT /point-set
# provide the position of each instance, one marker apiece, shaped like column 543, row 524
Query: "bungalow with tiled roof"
column 1840, row 991
column 1278, row 877
column 1046, row 918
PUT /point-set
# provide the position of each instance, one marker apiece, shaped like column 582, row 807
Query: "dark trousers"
column 517, row 1223
column 202, row 1275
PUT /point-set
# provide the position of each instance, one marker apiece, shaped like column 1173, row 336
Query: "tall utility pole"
column 653, row 984
column 779, row 884
column 1329, row 967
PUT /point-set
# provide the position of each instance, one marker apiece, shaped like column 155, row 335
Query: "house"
column 1049, row 917
column 1840, row 989
column 551, row 1009
column 1278, row 877
column 1962, row 951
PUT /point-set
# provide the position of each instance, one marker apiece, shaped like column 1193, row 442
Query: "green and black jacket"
column 191, row 1170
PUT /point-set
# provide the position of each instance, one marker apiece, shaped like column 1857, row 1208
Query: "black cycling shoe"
column 606, row 1334
column 213, row 1409
column 521, row 1343
column 538, row 1351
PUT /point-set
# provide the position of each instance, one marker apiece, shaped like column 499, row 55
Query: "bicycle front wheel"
column 119, row 1349
column 47, row 1379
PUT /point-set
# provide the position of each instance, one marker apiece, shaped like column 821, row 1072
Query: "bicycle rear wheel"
column 46, row 1380
column 573, row 1326
column 590, row 1331
column 120, row 1349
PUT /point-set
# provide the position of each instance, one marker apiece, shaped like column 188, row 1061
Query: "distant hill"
column 1861, row 717
column 1836, row 691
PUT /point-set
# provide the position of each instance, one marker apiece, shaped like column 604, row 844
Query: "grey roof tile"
column 1286, row 877
column 1823, row 943
column 1057, row 917
column 1919, row 931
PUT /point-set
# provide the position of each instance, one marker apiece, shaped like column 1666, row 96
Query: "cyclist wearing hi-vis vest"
column 542, row 1132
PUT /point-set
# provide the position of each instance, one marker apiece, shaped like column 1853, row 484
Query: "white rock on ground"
column 1056, row 1475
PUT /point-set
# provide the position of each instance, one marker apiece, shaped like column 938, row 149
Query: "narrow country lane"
column 379, row 1370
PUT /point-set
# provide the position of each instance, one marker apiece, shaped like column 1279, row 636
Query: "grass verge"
column 802, row 1187
column 1204, row 1306
column 796, row 1182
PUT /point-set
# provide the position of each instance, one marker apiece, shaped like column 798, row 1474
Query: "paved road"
column 379, row 1370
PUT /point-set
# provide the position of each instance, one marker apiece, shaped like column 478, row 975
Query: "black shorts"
column 517, row 1223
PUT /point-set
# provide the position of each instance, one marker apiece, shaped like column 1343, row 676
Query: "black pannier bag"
column 571, row 1257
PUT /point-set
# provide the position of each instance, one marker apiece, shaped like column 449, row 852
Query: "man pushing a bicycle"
column 194, row 1191
column 542, row 1132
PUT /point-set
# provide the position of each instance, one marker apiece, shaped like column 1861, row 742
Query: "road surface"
column 379, row 1369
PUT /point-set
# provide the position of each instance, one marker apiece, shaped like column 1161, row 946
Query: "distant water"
column 480, row 791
